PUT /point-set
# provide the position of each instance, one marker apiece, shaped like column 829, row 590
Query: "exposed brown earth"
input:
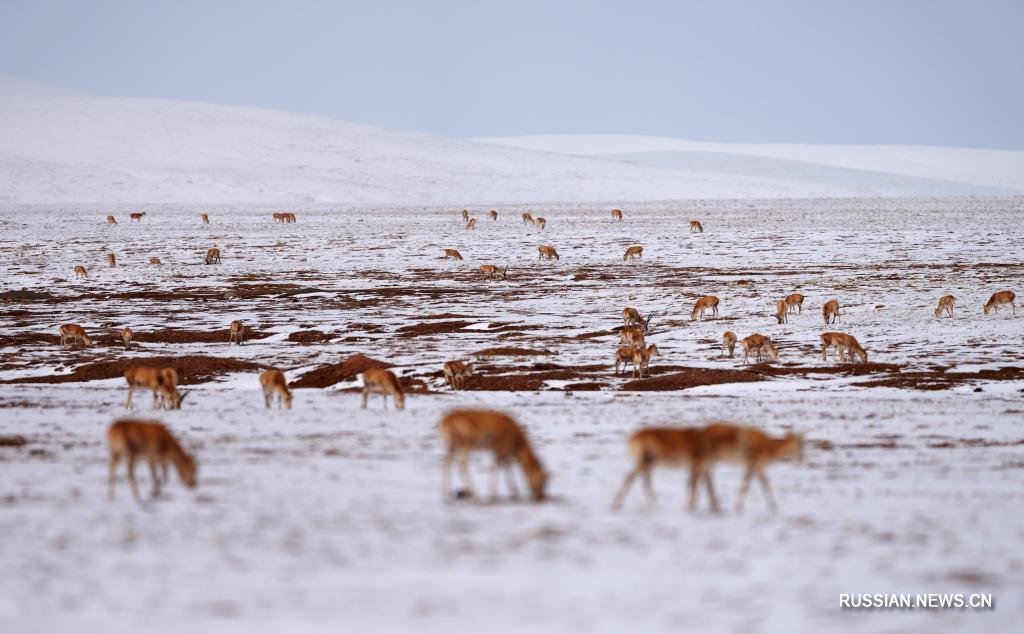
column 511, row 352
column 192, row 369
column 332, row 374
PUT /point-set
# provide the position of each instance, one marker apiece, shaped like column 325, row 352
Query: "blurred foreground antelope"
column 846, row 346
column 237, row 333
column 746, row 446
column 383, row 382
column 830, row 309
column 547, row 253
column 662, row 447
column 452, row 253
column 73, row 333
column 704, row 304
column 150, row 440
column 728, row 342
column 999, row 299
column 945, row 304
column 633, row 253
column 759, row 345
column 467, row 430
column 212, row 256
column 455, row 373
column 274, row 384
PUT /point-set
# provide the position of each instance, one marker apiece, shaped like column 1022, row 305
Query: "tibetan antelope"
column 137, row 217
column 623, row 357
column 746, row 446
column 830, row 309
column 111, row 260
column 945, row 304
column 547, row 253
column 150, row 440
column 782, row 311
column 111, row 220
column 280, row 217
column 695, row 226
column 237, row 333
column 289, row 217
column 616, row 215
column 728, row 342
column 795, row 301
column 383, row 382
column 273, row 384
column 999, row 299
column 471, row 225
column 664, row 447
column 467, row 430
column 631, row 317
column 465, row 215
column 162, row 382
column 490, row 270
column 155, row 261
column 212, row 256
column 705, row 303
column 759, row 345
column 205, row 218
column 633, row 253
column 73, row 333
column 493, row 215
column 80, row 271
column 847, row 347
column 540, row 222
column 642, row 359
column 455, row 373
column 528, row 218
column 452, row 253
column 126, row 337
column 632, row 337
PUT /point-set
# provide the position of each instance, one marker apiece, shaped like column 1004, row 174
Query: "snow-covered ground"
column 329, row 516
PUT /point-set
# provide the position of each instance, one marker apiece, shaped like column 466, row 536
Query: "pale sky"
column 818, row 71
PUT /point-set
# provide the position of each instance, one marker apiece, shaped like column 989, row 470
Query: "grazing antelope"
column 273, row 383
column 471, row 225
column 155, row 261
column 134, row 439
column 289, row 217
column 795, row 301
column 999, row 299
column 830, row 309
column 212, row 256
column 465, row 215
column 666, row 447
column 111, row 220
column 111, row 260
column 540, row 222
column 452, row 253
column 846, row 346
column 137, row 217
column 492, row 214
column 782, row 311
column 752, row 448
column 528, row 218
column 945, row 304
column 280, row 217
column 205, row 218
column 237, row 333
column 547, row 253
column 631, row 317
column 633, row 253
column 73, row 333
column 383, row 382
column 623, row 357
column 490, row 270
column 455, row 373
column 163, row 382
column 80, row 271
column 467, row 430
column 696, row 226
column 728, row 342
column 760, row 346
column 126, row 337
column 632, row 337
column 705, row 303
column 616, row 215
column 642, row 359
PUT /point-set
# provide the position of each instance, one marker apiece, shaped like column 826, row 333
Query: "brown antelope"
column 80, row 271
column 705, row 303
column 795, row 301
column 237, row 333
column 728, row 342
column 273, row 384
column 280, row 217
column 467, row 430
column 631, row 317
column 752, row 448
column 452, row 253
column 126, row 337
column 547, row 253
column 73, row 333
column 212, row 256
column 490, row 270
column 111, row 220
column 155, row 261
column 471, row 225
column 945, row 304
column 664, row 447
column 465, row 215
column 642, row 359
column 205, row 218
column 111, row 260
column 633, row 253
column 759, row 345
column 623, row 357
column 492, row 214
column 830, row 309
column 782, row 311
column 540, row 222
column 696, row 226
column 455, row 373
column 846, row 346
column 632, row 337
column 163, row 382
column 383, row 382
column 134, row 439
column 616, row 215
column 999, row 299
column 289, row 217
column 137, row 217
column 528, row 218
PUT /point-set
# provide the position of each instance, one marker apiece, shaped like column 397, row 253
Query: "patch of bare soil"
column 12, row 441
column 192, row 369
column 307, row 337
column 171, row 335
column 691, row 377
column 528, row 382
column 24, row 295
column 432, row 328
column 511, row 352
column 329, row 375
column 942, row 380
column 28, row 339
